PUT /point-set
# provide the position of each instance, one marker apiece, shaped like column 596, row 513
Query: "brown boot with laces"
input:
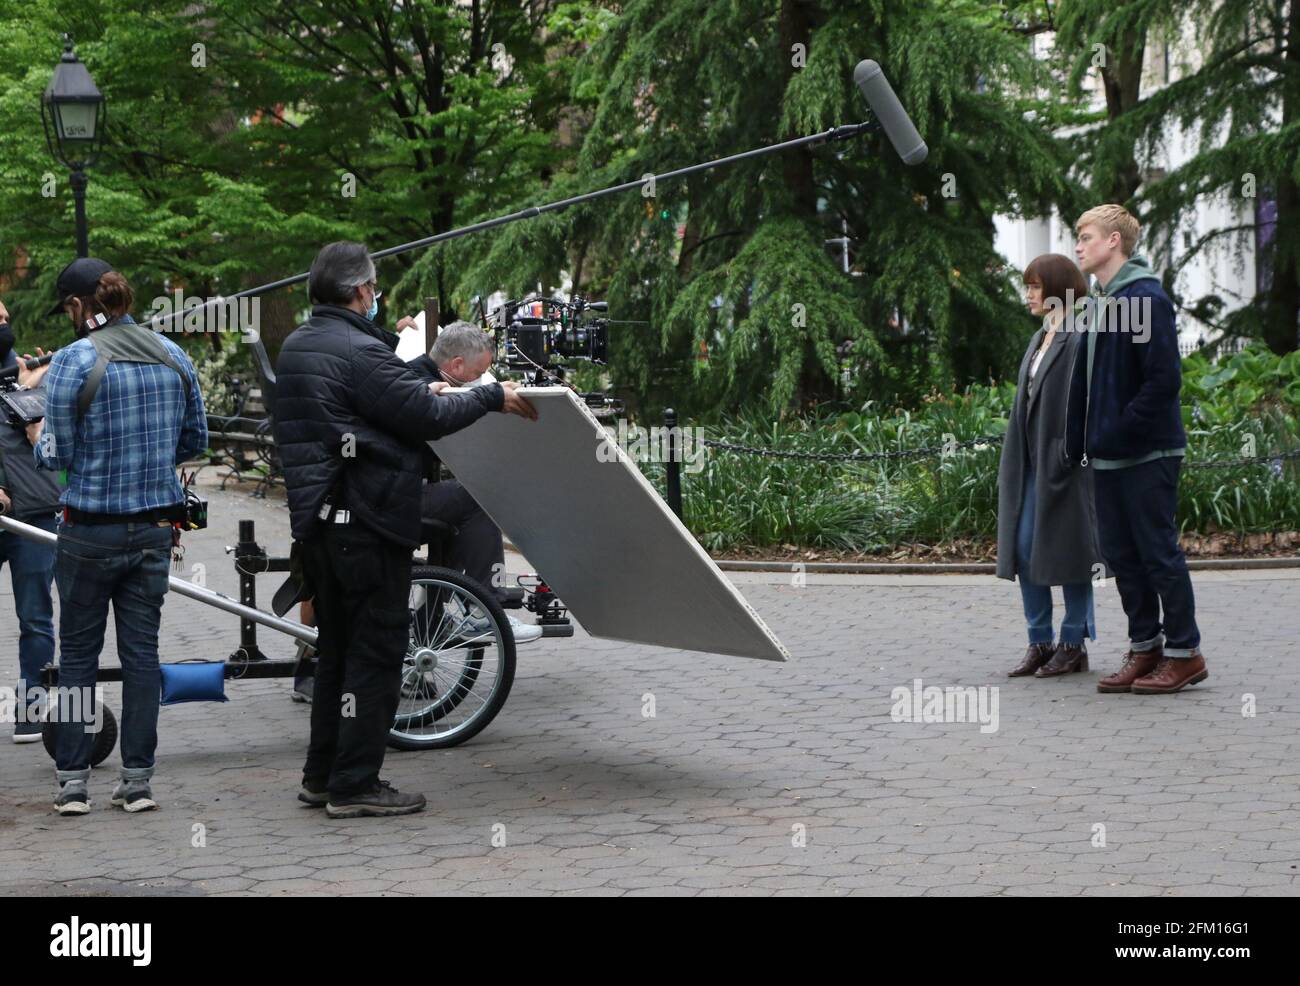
column 1136, row 664
column 1172, row 675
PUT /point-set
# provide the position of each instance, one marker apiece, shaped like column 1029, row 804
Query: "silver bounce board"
column 598, row 533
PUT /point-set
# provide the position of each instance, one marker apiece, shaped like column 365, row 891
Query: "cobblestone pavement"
column 750, row 778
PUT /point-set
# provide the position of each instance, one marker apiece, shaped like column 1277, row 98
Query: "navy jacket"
column 1132, row 397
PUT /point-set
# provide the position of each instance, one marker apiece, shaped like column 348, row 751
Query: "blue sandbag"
column 194, row 681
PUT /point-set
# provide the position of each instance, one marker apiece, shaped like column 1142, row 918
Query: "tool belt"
column 161, row 515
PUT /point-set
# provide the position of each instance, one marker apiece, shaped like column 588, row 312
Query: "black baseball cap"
column 79, row 278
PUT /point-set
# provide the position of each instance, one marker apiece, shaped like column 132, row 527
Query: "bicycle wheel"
column 460, row 661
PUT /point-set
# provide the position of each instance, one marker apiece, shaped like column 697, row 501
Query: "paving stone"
column 753, row 779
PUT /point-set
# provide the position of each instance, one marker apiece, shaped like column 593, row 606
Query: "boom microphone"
column 31, row 364
column 879, row 94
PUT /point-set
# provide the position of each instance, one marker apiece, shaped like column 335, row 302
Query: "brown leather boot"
column 1068, row 658
column 1173, row 674
column 1135, row 666
column 1035, row 657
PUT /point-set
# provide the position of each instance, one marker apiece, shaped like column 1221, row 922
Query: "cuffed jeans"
column 126, row 564
column 1136, row 510
column 31, row 570
column 1079, row 617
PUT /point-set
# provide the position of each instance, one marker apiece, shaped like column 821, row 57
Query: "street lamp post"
column 75, row 111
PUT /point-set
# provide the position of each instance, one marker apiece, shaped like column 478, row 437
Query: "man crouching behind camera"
column 351, row 420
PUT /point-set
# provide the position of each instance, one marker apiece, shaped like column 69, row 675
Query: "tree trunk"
column 794, row 26
column 691, row 234
column 277, row 312
column 1122, row 78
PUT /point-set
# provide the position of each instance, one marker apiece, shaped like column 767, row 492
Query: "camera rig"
column 532, row 333
column 19, row 405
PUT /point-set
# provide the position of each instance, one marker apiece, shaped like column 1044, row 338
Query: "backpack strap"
column 124, row 342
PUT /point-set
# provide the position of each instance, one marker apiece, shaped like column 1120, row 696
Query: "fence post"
column 674, row 466
column 250, row 558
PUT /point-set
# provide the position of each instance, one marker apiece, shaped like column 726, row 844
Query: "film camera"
column 538, row 336
column 532, row 332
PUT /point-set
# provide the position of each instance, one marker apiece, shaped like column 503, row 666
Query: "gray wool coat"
column 1065, row 545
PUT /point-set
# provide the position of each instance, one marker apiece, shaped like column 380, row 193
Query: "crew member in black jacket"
column 350, row 425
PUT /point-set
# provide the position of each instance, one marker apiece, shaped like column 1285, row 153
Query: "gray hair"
column 338, row 270
column 464, row 339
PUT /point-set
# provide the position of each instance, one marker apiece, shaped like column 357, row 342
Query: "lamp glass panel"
column 76, row 121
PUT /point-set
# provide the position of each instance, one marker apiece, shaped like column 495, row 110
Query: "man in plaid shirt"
column 121, row 456
column 120, row 443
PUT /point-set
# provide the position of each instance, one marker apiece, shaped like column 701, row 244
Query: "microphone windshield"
column 879, row 94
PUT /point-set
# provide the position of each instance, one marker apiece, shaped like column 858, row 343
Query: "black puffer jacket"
column 340, row 388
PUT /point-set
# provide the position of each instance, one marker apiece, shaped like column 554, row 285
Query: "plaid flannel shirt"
column 121, row 455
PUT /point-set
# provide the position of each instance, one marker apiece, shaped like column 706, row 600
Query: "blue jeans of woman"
column 1037, row 599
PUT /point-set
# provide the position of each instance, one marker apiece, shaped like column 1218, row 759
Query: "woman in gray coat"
column 1047, row 527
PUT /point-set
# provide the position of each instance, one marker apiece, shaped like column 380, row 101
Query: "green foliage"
column 1233, row 92
column 1241, row 407
column 720, row 291
column 762, row 336
column 243, row 135
column 239, row 130
column 220, row 376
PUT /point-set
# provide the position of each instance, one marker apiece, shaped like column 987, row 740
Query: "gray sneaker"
column 477, row 627
column 72, row 799
column 133, row 796
column 382, row 799
column 313, row 799
column 303, row 689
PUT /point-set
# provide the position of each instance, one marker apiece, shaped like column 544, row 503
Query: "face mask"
column 375, row 302
column 472, row 381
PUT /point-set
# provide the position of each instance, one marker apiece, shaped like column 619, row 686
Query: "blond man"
column 1131, row 434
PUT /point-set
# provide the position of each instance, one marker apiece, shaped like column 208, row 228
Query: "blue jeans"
column 128, row 565
column 1136, row 510
column 31, row 569
column 1037, row 599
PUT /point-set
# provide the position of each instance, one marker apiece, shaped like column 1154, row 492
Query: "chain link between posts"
column 1274, row 459
column 939, row 451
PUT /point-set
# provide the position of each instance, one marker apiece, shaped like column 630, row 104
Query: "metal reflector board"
column 598, row 533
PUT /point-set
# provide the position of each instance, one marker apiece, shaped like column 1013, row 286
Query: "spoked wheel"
column 105, row 738
column 460, row 661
